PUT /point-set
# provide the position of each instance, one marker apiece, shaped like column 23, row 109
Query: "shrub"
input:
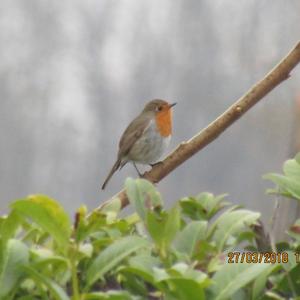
column 198, row 249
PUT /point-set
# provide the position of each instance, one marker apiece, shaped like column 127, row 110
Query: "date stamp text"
column 261, row 257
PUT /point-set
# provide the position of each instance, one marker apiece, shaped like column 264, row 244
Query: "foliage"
column 155, row 253
column 288, row 184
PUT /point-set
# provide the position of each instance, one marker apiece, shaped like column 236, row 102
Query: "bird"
column 146, row 137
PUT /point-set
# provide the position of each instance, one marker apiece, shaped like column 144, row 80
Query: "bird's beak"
column 173, row 104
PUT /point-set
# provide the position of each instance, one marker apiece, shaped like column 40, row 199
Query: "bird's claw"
column 155, row 164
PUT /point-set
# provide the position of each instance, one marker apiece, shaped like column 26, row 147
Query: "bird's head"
column 158, row 106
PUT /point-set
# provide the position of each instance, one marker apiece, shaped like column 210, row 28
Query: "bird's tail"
column 112, row 171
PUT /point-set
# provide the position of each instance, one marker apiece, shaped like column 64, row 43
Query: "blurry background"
column 74, row 73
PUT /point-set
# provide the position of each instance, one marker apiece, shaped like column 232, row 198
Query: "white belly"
column 150, row 147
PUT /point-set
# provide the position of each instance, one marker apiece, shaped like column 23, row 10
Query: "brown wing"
column 132, row 133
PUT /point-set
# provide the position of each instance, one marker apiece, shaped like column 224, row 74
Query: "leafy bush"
column 155, row 253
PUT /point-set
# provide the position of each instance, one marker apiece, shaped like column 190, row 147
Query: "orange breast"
column 164, row 122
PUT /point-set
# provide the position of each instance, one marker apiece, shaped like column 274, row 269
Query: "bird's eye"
column 159, row 108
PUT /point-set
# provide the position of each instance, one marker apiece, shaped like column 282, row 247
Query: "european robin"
column 146, row 137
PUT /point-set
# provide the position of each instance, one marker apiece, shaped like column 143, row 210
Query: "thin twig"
column 187, row 149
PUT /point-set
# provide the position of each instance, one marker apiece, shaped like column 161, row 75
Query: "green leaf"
column 187, row 239
column 143, row 266
column 185, row 289
column 261, row 280
column 155, row 224
column 231, row 224
column 172, row 224
column 110, row 295
column 112, row 255
column 163, row 226
column 232, row 277
column 55, row 290
column 145, row 260
column 212, row 204
column 43, row 257
column 182, row 282
column 142, row 195
column 48, row 214
column 291, row 168
column 291, row 283
column 14, row 256
column 287, row 184
column 270, row 295
column 202, row 207
column 9, row 226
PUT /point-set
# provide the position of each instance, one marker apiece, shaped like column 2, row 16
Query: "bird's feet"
column 156, row 164
column 140, row 174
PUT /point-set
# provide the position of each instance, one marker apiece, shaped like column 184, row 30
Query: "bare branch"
column 187, row 149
